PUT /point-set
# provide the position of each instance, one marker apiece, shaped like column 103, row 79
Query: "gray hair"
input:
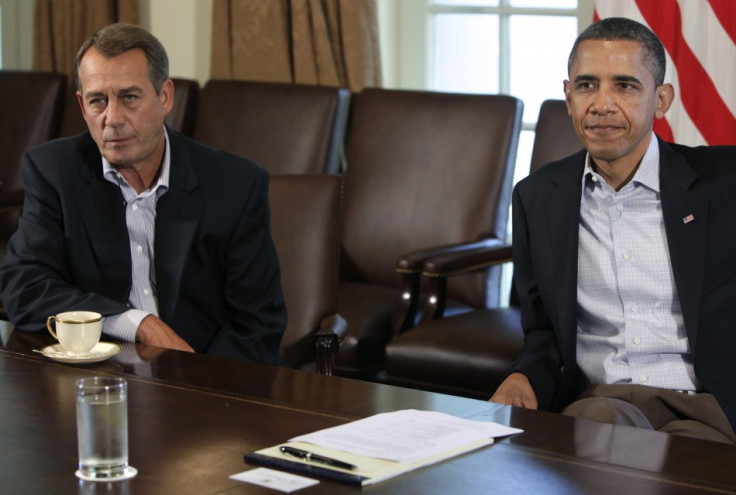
column 119, row 38
column 622, row 29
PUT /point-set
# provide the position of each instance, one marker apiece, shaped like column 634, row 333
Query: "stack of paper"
column 381, row 446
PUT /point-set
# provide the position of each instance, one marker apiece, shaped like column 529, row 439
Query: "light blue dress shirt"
column 140, row 217
column 630, row 324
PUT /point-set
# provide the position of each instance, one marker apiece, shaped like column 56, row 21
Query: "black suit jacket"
column 546, row 209
column 217, row 274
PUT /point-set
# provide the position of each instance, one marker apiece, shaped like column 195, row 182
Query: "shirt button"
column 637, row 340
column 139, row 248
column 635, row 308
column 146, row 291
column 135, row 207
column 642, row 378
column 620, row 207
column 627, row 256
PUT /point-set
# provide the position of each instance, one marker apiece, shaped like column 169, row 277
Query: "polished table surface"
column 192, row 417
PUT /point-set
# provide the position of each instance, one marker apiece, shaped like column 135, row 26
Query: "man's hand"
column 516, row 391
column 153, row 331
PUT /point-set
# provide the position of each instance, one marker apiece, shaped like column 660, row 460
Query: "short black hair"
column 623, row 29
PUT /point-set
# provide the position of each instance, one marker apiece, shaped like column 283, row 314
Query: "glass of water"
column 102, row 429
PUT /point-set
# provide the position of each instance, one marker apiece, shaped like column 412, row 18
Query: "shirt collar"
column 161, row 185
column 647, row 174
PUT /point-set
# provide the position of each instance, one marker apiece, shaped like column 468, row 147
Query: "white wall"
column 185, row 29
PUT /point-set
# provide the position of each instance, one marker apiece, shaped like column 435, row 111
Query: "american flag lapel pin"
column 688, row 218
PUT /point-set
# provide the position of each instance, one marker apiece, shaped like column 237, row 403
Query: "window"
column 16, row 34
column 516, row 47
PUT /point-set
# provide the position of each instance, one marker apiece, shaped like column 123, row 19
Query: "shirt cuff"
column 124, row 326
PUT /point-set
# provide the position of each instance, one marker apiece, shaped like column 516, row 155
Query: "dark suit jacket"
column 216, row 268
column 546, row 210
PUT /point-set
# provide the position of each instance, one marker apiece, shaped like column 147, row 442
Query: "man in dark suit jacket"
column 168, row 239
column 654, row 346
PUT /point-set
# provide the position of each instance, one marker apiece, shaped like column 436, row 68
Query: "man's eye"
column 129, row 98
column 96, row 102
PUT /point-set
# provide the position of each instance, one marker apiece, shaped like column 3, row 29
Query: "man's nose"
column 114, row 113
column 604, row 101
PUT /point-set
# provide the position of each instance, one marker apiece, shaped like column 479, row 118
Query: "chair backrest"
column 181, row 118
column 30, row 113
column 72, row 121
column 184, row 112
column 286, row 128
column 424, row 169
column 305, row 225
column 555, row 136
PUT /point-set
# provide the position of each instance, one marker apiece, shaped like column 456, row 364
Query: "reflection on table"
column 193, row 417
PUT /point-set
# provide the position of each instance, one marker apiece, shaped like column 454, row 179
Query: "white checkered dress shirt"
column 630, row 326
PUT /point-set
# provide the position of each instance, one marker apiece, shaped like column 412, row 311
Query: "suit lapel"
column 563, row 219
column 177, row 217
column 102, row 210
column 685, row 221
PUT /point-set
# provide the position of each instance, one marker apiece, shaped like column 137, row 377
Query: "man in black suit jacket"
column 653, row 347
column 168, row 239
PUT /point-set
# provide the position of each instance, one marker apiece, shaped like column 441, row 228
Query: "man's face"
column 612, row 99
column 123, row 112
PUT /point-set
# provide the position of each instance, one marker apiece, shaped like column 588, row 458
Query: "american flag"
column 699, row 37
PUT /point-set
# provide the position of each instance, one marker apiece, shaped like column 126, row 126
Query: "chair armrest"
column 457, row 262
column 438, row 269
column 411, row 265
column 414, row 262
column 332, row 332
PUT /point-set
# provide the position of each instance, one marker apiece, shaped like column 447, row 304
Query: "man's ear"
column 167, row 96
column 80, row 100
column 665, row 96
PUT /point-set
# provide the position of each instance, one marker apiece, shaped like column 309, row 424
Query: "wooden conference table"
column 192, row 417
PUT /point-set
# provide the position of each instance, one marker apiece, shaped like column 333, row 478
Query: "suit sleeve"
column 254, row 301
column 35, row 278
column 540, row 359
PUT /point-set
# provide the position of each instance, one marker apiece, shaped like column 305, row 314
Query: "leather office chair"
column 184, row 112
column 30, row 113
column 286, row 128
column 305, row 226
column 181, row 118
column 426, row 172
column 469, row 354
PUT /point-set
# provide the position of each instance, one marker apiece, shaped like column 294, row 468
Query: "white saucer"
column 130, row 472
column 100, row 352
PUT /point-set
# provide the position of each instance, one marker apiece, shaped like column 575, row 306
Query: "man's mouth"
column 602, row 128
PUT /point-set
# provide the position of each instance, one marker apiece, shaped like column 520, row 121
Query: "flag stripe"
column 699, row 95
column 701, row 51
column 726, row 14
column 711, row 46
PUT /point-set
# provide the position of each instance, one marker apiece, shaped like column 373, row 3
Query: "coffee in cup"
column 77, row 331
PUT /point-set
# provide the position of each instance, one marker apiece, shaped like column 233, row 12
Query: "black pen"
column 310, row 456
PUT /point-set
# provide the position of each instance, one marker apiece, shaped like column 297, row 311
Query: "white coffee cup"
column 77, row 331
